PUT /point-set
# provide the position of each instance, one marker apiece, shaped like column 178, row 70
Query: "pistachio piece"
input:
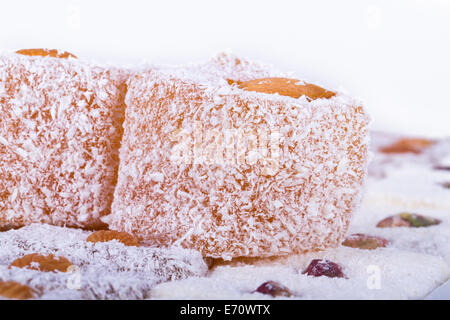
column 446, row 185
column 410, row 220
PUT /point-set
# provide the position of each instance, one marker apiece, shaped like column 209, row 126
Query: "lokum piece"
column 60, row 132
column 233, row 161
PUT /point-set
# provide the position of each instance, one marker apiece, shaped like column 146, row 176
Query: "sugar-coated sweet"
column 233, row 158
column 60, row 131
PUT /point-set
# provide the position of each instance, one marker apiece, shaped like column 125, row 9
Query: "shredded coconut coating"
column 104, row 270
column 237, row 208
column 60, row 132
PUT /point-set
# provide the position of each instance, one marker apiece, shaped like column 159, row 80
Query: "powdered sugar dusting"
column 370, row 274
column 407, row 183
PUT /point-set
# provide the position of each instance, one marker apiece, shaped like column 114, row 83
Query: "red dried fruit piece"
column 42, row 263
column 320, row 267
column 109, row 235
column 364, row 241
column 15, row 290
column 410, row 220
column 407, row 145
column 46, row 53
column 274, row 289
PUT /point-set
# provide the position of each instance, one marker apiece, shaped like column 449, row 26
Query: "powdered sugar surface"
column 408, row 183
column 409, row 186
column 379, row 274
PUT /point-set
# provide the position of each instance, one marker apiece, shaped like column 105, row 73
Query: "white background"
column 392, row 54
